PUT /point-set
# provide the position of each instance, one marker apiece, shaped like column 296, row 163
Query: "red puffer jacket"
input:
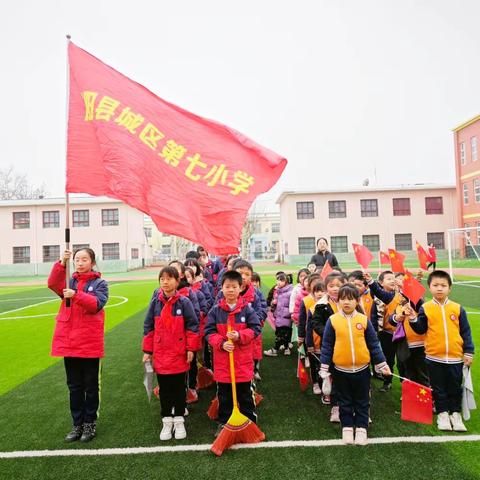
column 244, row 320
column 79, row 329
column 169, row 331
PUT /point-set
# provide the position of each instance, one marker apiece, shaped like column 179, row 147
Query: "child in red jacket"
column 170, row 336
column 79, row 337
column 233, row 319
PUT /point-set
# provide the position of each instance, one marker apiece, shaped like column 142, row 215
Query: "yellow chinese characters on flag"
column 196, row 178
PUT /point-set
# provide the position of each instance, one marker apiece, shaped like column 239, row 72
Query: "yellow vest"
column 413, row 339
column 443, row 342
column 350, row 352
column 366, row 302
column 317, row 339
column 390, row 310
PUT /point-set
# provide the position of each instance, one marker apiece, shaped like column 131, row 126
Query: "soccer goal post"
column 463, row 246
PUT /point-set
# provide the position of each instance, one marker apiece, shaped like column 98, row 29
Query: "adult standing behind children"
column 79, row 337
column 323, row 254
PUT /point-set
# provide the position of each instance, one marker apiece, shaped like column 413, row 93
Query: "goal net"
column 463, row 247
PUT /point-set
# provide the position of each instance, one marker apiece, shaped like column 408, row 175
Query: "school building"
column 379, row 218
column 32, row 233
column 467, row 167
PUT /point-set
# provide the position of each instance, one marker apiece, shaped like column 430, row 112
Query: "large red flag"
column 412, row 288
column 423, row 256
column 196, row 178
column 396, row 261
column 384, row 258
column 416, row 403
column 326, row 270
column 303, row 376
column 362, row 254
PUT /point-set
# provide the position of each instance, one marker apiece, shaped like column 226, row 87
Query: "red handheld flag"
column 423, row 256
column 196, row 178
column 396, row 261
column 412, row 288
column 384, row 258
column 416, row 403
column 303, row 376
column 326, row 270
column 362, row 254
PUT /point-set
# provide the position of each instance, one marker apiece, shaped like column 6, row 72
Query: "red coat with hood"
column 79, row 329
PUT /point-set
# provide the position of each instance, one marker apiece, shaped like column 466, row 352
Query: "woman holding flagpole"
column 323, row 255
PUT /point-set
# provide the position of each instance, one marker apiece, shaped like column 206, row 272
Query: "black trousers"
column 282, row 337
column 192, row 374
column 83, row 384
column 434, row 264
column 207, row 356
column 172, row 394
column 446, row 382
column 389, row 349
column 245, row 398
column 352, row 392
column 416, row 368
column 314, row 367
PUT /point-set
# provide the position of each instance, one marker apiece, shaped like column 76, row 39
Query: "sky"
column 344, row 89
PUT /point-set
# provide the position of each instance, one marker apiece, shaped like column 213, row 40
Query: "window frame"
column 18, row 223
column 79, row 223
column 334, row 211
column 401, row 212
column 303, row 210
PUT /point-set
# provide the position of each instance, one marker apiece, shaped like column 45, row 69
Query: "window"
column 473, row 145
column 21, row 254
column 51, row 219
column 258, row 246
column 433, row 205
column 463, row 158
column 465, row 194
column 337, row 209
column 305, row 210
column 109, row 217
column 476, row 190
column 275, row 227
column 110, row 251
column 134, row 253
column 372, row 242
column 21, row 220
column 275, row 246
column 80, row 246
column 51, row 253
column 369, row 208
column 437, row 238
column 81, row 218
column 148, row 232
column 306, row 245
column 339, row 244
column 401, row 206
column 403, row 241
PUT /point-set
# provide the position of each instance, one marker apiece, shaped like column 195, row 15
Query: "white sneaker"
column 347, row 435
column 287, row 351
column 335, row 415
column 443, row 422
column 179, row 428
column 290, row 345
column 270, row 353
column 282, row 347
column 166, row 433
column 185, row 414
column 361, row 436
column 257, row 376
column 316, row 389
column 457, row 423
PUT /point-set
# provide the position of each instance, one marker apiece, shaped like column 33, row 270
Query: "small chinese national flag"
column 412, row 288
column 326, row 270
column 384, row 258
column 362, row 254
column 423, row 256
column 416, row 403
column 396, row 261
column 303, row 376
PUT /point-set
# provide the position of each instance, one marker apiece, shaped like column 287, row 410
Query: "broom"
column 204, row 377
column 239, row 428
column 212, row 411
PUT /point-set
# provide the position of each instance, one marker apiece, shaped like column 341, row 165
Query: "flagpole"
column 67, row 198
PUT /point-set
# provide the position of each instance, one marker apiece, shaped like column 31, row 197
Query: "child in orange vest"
column 348, row 343
column 448, row 347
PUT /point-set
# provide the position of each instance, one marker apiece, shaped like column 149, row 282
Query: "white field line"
column 32, row 298
column 124, row 300
column 206, row 447
column 28, row 306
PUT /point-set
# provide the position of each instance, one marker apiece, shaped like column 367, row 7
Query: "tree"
column 15, row 186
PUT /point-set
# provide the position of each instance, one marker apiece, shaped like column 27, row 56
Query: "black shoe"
column 75, row 434
column 89, row 430
column 386, row 388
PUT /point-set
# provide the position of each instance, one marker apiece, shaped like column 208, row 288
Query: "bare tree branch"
column 15, row 186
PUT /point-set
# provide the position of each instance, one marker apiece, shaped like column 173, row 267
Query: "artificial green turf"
column 36, row 416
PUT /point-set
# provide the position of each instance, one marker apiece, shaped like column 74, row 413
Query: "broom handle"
column 232, row 373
